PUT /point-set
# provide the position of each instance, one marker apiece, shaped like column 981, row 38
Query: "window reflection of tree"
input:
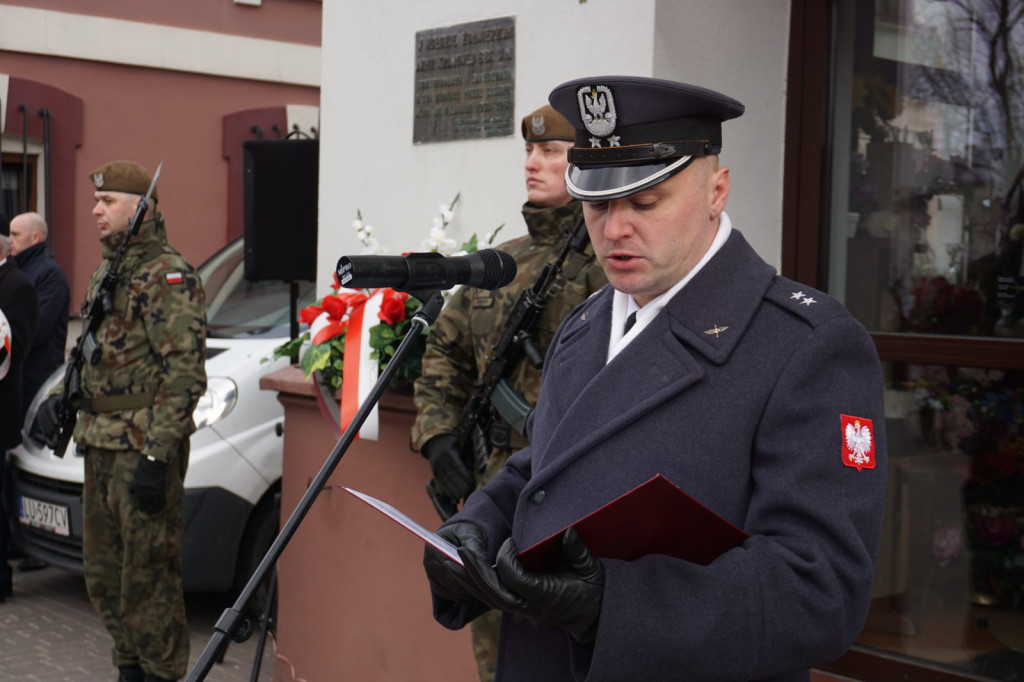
column 964, row 75
column 986, row 47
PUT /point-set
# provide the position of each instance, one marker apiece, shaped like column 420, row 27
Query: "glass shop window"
column 949, row 585
column 927, row 224
column 925, row 237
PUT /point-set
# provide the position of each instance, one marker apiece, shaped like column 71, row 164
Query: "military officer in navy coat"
column 757, row 395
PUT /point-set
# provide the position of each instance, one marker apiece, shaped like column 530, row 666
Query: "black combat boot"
column 130, row 673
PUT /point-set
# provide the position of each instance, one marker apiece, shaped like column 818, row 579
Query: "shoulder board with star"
column 812, row 305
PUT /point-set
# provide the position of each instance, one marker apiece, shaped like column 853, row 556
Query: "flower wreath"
column 321, row 349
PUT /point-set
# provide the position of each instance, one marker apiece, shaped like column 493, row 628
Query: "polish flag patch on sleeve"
column 858, row 442
column 175, row 278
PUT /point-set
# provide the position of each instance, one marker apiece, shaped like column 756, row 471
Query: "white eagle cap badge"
column 858, row 442
column 537, row 125
column 97, row 179
column 597, row 111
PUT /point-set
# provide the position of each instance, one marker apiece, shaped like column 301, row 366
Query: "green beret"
column 546, row 124
column 123, row 176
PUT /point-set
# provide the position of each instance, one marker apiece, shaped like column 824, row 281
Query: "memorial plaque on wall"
column 465, row 81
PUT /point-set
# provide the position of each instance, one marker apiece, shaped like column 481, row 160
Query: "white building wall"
column 369, row 163
column 740, row 48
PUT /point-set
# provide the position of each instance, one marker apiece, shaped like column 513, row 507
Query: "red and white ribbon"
column 360, row 370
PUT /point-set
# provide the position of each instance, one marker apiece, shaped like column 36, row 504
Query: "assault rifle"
column 493, row 393
column 87, row 349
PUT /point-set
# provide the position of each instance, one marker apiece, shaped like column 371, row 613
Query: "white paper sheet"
column 427, row 536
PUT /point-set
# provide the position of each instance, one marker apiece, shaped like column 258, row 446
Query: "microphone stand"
column 232, row 623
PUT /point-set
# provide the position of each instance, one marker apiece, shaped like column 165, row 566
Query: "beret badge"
column 97, row 180
column 537, row 125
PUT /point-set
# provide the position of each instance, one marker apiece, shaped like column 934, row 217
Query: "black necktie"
column 630, row 321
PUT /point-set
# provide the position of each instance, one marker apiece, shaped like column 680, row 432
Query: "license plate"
column 43, row 515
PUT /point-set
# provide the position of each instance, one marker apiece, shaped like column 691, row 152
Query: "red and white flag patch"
column 858, row 442
column 175, row 278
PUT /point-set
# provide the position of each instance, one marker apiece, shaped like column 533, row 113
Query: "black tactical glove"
column 447, row 579
column 148, row 487
column 569, row 598
column 453, row 478
column 45, row 426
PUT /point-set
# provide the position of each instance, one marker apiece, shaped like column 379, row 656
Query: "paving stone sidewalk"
column 49, row 633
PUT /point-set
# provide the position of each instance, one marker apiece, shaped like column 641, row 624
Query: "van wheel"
column 260, row 532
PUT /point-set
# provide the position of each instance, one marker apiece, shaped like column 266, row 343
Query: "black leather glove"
column 569, row 598
column 453, row 478
column 45, row 426
column 148, row 486
column 447, row 579
column 486, row 584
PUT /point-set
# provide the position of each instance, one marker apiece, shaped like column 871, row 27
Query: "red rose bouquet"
column 328, row 323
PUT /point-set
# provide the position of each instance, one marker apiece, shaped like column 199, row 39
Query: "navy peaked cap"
column 633, row 132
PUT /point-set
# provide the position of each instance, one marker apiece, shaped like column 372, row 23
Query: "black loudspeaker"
column 280, row 193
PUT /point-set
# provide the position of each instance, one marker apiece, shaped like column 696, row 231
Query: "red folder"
column 656, row 517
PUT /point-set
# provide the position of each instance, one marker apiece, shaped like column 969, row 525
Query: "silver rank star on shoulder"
column 802, row 298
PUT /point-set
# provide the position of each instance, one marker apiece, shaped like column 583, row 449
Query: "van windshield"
column 236, row 307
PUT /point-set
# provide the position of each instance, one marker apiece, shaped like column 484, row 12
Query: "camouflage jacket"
column 471, row 323
column 151, row 372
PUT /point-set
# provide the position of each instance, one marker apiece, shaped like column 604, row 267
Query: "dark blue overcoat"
column 748, row 421
column 47, row 352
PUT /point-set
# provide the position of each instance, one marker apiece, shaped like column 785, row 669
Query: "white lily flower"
column 372, row 247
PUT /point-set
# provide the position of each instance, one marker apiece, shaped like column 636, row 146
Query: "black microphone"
column 484, row 269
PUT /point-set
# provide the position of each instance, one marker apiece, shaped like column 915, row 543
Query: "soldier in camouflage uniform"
column 471, row 323
column 134, row 427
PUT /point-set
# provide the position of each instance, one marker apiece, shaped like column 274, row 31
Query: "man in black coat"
column 21, row 307
column 758, row 396
column 28, row 247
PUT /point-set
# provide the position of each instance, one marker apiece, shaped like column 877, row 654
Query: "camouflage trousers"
column 133, row 563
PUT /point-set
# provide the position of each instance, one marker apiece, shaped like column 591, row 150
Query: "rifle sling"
column 575, row 262
column 115, row 403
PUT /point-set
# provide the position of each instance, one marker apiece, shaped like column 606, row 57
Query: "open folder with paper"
column 656, row 517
